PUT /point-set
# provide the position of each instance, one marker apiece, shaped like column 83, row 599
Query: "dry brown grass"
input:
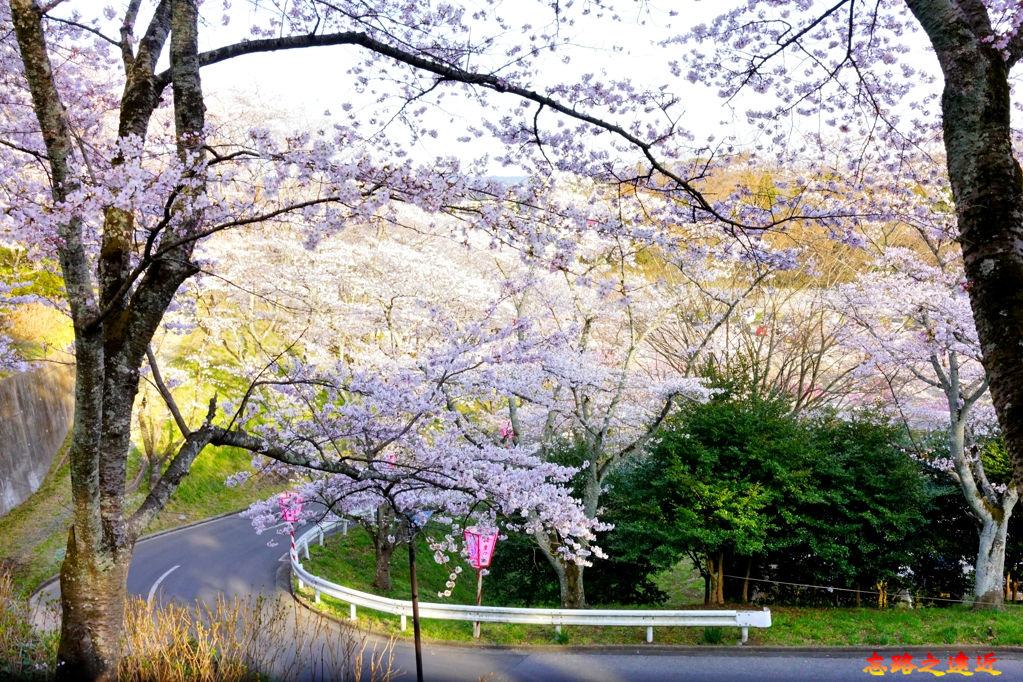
column 239, row 640
column 236, row 640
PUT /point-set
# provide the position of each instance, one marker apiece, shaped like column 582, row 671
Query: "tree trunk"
column 92, row 595
column 386, row 536
column 745, row 582
column 382, row 575
column 720, row 596
column 987, row 586
column 987, row 187
column 113, row 325
column 716, row 593
column 708, row 580
column 570, row 575
column 570, row 580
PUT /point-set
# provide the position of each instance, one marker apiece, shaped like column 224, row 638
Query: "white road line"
column 152, row 590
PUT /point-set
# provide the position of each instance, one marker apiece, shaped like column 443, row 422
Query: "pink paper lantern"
column 481, row 546
column 291, row 506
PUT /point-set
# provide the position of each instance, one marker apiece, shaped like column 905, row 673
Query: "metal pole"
column 415, row 601
column 479, row 600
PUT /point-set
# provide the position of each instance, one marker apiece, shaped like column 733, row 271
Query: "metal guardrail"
column 502, row 614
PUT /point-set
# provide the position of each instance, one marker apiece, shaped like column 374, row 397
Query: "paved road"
column 225, row 556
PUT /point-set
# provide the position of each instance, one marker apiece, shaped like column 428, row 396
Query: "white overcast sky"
column 300, row 86
column 304, row 84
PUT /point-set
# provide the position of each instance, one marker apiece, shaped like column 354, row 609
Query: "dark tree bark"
column 387, row 535
column 113, row 328
column 987, row 185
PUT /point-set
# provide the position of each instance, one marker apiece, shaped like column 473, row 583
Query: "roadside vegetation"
column 348, row 560
column 239, row 640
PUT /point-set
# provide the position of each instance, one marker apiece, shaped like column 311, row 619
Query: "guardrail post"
column 403, row 622
column 649, row 634
column 745, row 635
column 301, row 585
column 316, row 597
column 557, row 629
column 352, row 611
column 305, row 546
column 321, row 537
column 344, row 527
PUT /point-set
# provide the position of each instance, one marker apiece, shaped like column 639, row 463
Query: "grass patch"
column 348, row 560
column 794, row 626
column 35, row 532
column 682, row 583
column 202, row 492
column 25, row 654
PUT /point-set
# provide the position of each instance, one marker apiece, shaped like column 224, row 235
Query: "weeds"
column 25, row 654
column 713, row 635
column 237, row 640
column 241, row 640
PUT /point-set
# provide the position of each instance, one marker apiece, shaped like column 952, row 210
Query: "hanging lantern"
column 480, row 545
column 291, row 506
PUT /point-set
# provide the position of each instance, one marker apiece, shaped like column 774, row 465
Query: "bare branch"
column 85, row 27
column 165, row 393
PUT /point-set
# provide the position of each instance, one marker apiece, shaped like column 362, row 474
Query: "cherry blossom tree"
column 392, row 439
column 763, row 324
column 112, row 168
column 910, row 321
column 854, row 73
column 590, row 394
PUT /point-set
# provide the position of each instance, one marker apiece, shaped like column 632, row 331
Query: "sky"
column 310, row 87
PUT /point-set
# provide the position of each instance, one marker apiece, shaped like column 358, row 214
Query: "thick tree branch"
column 161, row 491
column 56, row 134
column 456, row 74
column 127, row 33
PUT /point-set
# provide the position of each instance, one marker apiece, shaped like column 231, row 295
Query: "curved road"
column 224, row 556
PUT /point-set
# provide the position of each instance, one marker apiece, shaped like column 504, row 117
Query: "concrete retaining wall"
column 36, row 411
